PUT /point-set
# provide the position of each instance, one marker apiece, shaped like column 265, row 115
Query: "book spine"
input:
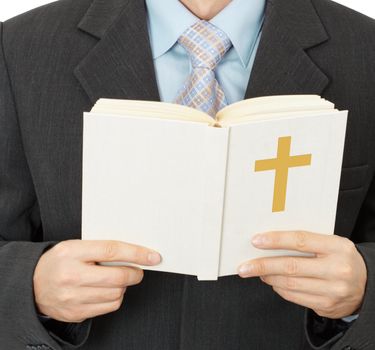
column 224, row 201
column 216, row 150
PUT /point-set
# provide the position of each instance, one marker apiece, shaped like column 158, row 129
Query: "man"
column 56, row 61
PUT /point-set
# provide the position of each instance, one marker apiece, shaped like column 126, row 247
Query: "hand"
column 70, row 287
column 331, row 282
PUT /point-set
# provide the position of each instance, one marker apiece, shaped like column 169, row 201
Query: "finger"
column 89, row 295
column 93, row 310
column 301, row 241
column 285, row 266
column 313, row 286
column 310, row 301
column 102, row 251
column 112, row 276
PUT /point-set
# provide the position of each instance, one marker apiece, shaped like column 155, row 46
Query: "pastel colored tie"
column 206, row 45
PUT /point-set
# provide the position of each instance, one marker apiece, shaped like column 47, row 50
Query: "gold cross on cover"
column 281, row 165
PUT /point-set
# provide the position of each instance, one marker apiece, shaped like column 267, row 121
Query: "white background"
column 10, row 8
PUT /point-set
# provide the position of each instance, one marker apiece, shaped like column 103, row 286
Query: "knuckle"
column 110, row 250
column 138, row 254
column 128, row 276
column 79, row 316
column 346, row 271
column 68, row 278
column 325, row 313
column 118, row 293
column 327, row 305
column 139, row 276
column 65, row 297
column 300, row 239
column 320, row 312
column 121, row 278
column 66, row 316
column 291, row 266
column 117, row 304
column 290, row 283
column 71, row 315
column 283, row 293
column 348, row 246
column 273, row 238
column 62, row 250
column 342, row 290
column 260, row 268
column 132, row 276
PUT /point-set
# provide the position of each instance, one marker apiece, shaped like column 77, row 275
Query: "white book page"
column 156, row 183
column 312, row 191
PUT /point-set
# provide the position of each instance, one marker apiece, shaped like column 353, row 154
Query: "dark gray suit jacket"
column 56, row 61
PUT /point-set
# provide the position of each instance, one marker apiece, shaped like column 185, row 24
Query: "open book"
column 197, row 189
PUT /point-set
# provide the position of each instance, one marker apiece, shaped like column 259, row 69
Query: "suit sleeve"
column 21, row 235
column 323, row 333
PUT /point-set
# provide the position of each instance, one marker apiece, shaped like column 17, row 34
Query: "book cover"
column 198, row 193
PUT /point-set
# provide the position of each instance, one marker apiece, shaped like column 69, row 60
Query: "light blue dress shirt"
column 241, row 20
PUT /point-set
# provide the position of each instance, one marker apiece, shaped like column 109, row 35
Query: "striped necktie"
column 206, row 45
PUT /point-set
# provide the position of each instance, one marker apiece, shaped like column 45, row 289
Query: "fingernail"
column 154, row 258
column 245, row 269
column 258, row 240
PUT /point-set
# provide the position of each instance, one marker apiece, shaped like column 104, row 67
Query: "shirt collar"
column 168, row 19
column 242, row 20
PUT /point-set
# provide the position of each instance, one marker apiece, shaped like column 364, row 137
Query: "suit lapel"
column 120, row 65
column 282, row 65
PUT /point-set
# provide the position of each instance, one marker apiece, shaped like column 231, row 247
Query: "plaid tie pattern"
column 206, row 45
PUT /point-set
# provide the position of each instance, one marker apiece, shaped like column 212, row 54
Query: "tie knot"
column 205, row 43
